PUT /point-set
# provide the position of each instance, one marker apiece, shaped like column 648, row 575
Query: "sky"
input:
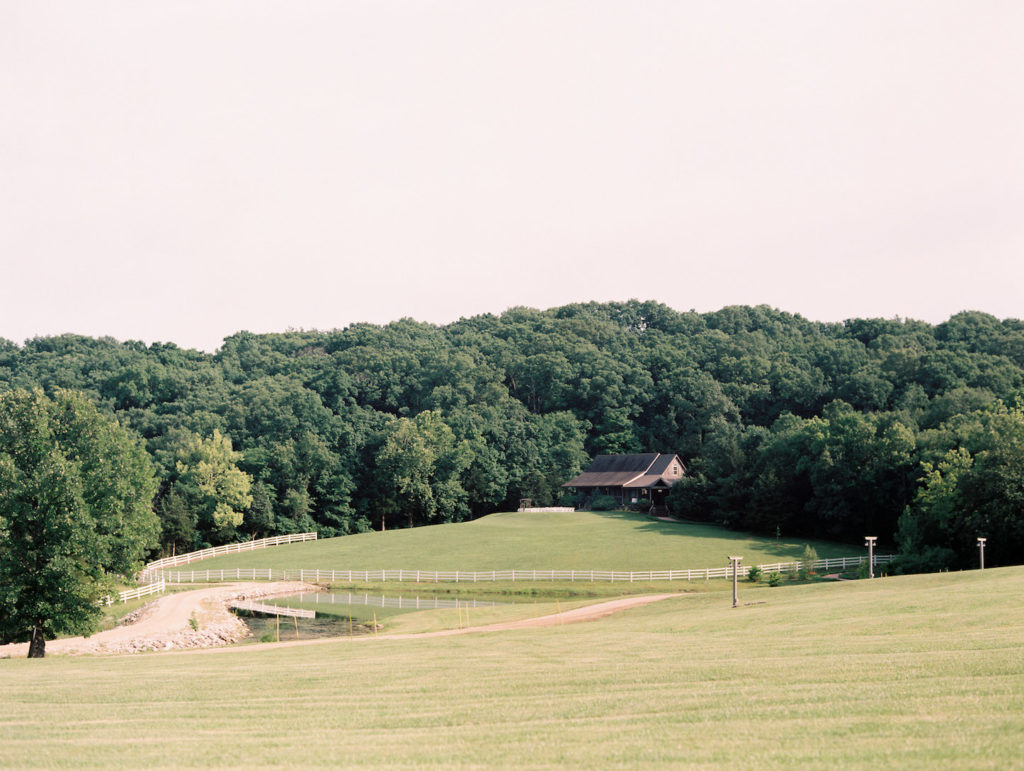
column 179, row 171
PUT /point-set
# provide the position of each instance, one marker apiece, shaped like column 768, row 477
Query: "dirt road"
column 586, row 613
column 165, row 625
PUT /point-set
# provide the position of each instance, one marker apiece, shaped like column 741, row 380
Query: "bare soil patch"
column 586, row 613
column 167, row 623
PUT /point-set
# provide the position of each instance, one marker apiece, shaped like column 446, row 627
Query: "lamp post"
column 981, row 551
column 735, row 563
column 869, row 541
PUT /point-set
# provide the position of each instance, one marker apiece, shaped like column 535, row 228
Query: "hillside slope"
column 527, row 540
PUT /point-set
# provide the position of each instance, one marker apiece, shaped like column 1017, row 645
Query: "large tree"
column 976, row 489
column 76, row 493
column 215, row 490
column 419, row 466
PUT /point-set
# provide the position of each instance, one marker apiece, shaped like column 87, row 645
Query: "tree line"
column 891, row 427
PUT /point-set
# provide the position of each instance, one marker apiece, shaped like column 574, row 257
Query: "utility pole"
column 735, row 562
column 981, row 551
column 869, row 541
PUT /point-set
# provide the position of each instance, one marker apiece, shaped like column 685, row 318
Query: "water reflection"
column 314, row 601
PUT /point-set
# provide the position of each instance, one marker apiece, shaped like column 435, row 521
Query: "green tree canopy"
column 76, row 493
column 213, row 486
column 420, row 465
column 975, row 490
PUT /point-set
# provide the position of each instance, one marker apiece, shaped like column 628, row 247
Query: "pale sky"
column 179, row 170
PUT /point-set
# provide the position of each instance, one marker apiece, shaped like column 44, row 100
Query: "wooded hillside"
column 830, row 430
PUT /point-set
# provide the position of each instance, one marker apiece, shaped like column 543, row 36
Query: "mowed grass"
column 905, row 672
column 528, row 540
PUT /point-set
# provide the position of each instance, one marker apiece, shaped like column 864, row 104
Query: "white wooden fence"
column 366, row 599
column 133, row 594
column 436, row 576
column 217, row 551
column 272, row 610
column 380, row 601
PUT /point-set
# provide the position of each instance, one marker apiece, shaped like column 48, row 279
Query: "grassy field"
column 906, row 672
column 520, row 540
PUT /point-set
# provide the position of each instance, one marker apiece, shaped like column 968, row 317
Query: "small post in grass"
column 735, row 563
column 981, row 551
column 869, row 541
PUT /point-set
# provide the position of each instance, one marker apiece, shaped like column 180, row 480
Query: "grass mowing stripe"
column 847, row 675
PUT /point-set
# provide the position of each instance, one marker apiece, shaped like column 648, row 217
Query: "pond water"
column 339, row 613
column 345, row 603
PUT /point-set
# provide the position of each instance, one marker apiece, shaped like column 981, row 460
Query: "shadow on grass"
column 786, row 548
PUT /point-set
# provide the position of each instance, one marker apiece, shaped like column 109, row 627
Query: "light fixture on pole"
column 735, row 563
column 981, row 551
column 869, row 541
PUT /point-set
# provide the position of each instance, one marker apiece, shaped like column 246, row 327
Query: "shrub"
column 931, row 559
column 774, row 579
column 603, row 503
column 754, row 574
column 810, row 556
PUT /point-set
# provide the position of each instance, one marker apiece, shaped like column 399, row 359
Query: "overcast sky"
column 179, row 170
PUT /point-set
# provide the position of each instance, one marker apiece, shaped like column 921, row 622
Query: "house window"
column 675, row 470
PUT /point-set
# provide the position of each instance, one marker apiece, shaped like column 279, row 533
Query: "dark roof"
column 609, row 463
column 648, row 480
column 643, row 470
column 661, row 464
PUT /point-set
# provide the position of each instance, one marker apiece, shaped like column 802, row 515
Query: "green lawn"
column 520, row 540
column 906, row 672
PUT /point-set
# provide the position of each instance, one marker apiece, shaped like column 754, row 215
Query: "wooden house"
column 641, row 480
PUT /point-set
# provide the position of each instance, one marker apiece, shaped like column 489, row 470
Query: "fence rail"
column 400, row 602
column 273, row 610
column 459, row 576
column 217, row 551
column 133, row 594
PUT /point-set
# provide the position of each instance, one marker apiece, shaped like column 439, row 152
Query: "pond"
column 338, row 614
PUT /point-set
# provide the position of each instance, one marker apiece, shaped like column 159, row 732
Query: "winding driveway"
column 166, row 624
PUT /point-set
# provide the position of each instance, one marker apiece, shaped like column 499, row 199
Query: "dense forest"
column 896, row 428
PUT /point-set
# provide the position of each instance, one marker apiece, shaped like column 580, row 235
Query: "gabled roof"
column 648, row 480
column 636, row 471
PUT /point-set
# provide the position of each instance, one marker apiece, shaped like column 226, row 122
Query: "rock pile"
column 214, row 624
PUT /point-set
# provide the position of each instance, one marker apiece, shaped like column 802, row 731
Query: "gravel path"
column 166, row 623
column 586, row 613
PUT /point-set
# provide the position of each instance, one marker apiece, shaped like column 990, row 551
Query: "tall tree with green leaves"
column 975, row 490
column 214, row 487
column 419, row 466
column 76, row 492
